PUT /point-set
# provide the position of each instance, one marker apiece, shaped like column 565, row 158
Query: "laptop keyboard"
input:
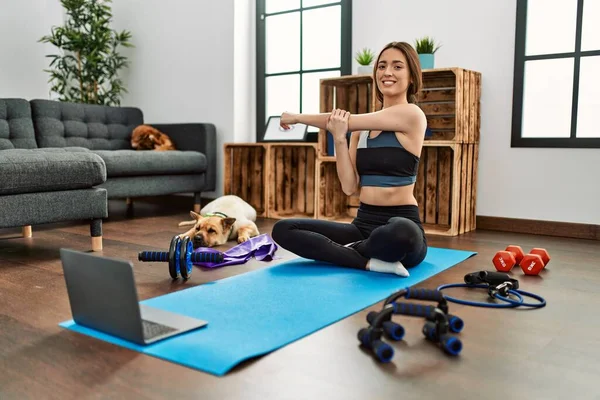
column 152, row 329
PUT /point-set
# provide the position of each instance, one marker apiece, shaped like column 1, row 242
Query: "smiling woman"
column 381, row 164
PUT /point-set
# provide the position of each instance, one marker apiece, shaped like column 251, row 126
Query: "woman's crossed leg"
column 388, row 248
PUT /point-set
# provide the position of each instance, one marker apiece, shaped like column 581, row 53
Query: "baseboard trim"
column 537, row 227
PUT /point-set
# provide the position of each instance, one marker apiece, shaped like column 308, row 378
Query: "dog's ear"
column 227, row 223
column 195, row 215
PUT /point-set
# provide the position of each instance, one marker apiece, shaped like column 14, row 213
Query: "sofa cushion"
column 16, row 126
column 96, row 127
column 44, row 170
column 150, row 162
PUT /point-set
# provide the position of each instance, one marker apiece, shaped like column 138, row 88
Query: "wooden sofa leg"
column 197, row 201
column 96, row 232
column 96, row 243
column 27, row 231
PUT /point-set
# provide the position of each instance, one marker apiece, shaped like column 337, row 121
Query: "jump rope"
column 499, row 286
column 440, row 326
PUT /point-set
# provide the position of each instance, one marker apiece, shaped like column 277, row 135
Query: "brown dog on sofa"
column 146, row 137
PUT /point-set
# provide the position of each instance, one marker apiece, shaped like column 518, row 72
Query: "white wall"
column 244, row 79
column 23, row 59
column 182, row 66
column 528, row 183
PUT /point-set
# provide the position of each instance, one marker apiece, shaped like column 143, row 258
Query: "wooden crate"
column 353, row 93
column 244, row 174
column 291, row 180
column 446, row 188
column 451, row 101
column 332, row 202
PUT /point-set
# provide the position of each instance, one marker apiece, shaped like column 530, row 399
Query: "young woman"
column 381, row 164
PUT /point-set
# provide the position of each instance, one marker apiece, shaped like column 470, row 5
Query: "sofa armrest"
column 200, row 137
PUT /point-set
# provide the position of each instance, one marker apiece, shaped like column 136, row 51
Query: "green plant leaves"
column 86, row 70
column 364, row 56
column 426, row 45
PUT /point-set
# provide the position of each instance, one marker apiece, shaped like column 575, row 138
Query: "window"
column 298, row 43
column 556, row 79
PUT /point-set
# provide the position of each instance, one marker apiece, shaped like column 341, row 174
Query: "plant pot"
column 426, row 60
column 365, row 69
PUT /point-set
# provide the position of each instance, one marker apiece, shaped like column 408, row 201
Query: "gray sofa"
column 62, row 161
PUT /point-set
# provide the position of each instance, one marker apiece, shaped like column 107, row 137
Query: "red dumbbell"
column 535, row 261
column 506, row 259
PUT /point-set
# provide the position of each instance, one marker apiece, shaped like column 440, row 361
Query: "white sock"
column 388, row 267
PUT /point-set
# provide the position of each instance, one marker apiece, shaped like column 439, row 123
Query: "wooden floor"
column 548, row 353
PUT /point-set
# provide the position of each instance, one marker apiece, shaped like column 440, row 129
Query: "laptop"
column 103, row 296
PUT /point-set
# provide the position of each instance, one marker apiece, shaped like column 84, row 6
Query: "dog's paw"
column 243, row 238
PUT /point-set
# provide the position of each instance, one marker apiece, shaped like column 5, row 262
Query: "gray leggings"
column 388, row 233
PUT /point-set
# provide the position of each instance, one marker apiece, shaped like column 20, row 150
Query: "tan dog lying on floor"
column 223, row 219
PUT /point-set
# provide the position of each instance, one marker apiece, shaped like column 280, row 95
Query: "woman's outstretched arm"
column 398, row 118
column 316, row 120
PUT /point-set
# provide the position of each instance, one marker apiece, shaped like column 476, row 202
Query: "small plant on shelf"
column 426, row 45
column 364, row 58
column 426, row 48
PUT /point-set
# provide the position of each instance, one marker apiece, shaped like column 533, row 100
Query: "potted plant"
column 364, row 58
column 86, row 70
column 426, row 48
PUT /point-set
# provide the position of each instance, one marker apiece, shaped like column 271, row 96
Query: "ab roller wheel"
column 181, row 257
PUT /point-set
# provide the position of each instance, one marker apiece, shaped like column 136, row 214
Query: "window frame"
column 518, row 90
column 261, row 75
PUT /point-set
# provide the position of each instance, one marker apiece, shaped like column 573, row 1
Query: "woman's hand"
column 337, row 124
column 288, row 119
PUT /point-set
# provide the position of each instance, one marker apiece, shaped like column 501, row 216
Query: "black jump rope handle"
column 163, row 256
column 491, row 278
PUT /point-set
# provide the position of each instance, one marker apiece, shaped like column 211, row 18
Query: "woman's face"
column 393, row 75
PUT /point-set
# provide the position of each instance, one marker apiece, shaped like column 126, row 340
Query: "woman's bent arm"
column 344, row 159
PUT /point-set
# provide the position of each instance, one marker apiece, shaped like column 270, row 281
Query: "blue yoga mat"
column 260, row 311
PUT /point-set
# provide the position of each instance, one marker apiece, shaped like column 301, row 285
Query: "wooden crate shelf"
column 244, row 174
column 332, row 203
column 278, row 179
column 353, row 93
column 291, row 180
column 446, row 188
column 451, row 101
